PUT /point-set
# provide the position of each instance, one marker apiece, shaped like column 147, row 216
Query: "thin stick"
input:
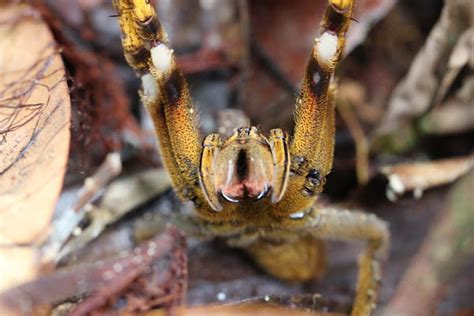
column 67, row 221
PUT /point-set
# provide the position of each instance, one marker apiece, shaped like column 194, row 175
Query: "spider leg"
column 165, row 94
column 140, row 29
column 312, row 145
column 330, row 223
column 301, row 259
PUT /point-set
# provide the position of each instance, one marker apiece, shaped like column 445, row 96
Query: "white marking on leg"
column 161, row 56
column 150, row 88
column 326, row 46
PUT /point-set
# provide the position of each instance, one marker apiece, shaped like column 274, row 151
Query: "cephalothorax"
column 257, row 190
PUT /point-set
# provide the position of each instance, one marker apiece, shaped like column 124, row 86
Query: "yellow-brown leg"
column 330, row 223
column 312, row 144
column 299, row 260
column 166, row 96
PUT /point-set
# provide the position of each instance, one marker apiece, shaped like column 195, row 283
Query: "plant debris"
column 68, row 220
column 34, row 137
column 418, row 177
column 247, row 55
column 151, row 275
column 444, row 251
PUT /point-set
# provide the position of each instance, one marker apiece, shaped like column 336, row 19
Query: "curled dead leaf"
column 34, row 132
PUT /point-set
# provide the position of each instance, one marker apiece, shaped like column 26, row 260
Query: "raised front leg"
column 331, row 223
column 312, row 145
column 313, row 139
column 165, row 94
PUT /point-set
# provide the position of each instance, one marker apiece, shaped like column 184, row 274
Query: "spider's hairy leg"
column 299, row 260
column 211, row 146
column 333, row 223
column 165, row 94
column 305, row 179
column 312, row 145
column 140, row 27
column 281, row 162
column 313, row 137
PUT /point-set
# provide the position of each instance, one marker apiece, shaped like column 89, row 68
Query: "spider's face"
column 244, row 168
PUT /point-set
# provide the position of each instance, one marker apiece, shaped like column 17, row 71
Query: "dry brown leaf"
column 414, row 95
column 17, row 264
column 34, row 129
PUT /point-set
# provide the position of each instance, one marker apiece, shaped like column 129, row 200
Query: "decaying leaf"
column 34, row 131
column 151, row 275
column 430, row 75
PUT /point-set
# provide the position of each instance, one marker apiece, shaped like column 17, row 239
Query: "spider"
column 258, row 191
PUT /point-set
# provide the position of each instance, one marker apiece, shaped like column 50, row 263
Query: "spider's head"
column 241, row 169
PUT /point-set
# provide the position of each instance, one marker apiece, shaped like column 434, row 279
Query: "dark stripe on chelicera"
column 242, row 165
column 318, row 78
column 173, row 87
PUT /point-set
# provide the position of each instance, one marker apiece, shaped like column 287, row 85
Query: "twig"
column 164, row 256
column 161, row 262
column 68, row 220
column 121, row 196
column 418, row 177
column 272, row 69
column 360, row 140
